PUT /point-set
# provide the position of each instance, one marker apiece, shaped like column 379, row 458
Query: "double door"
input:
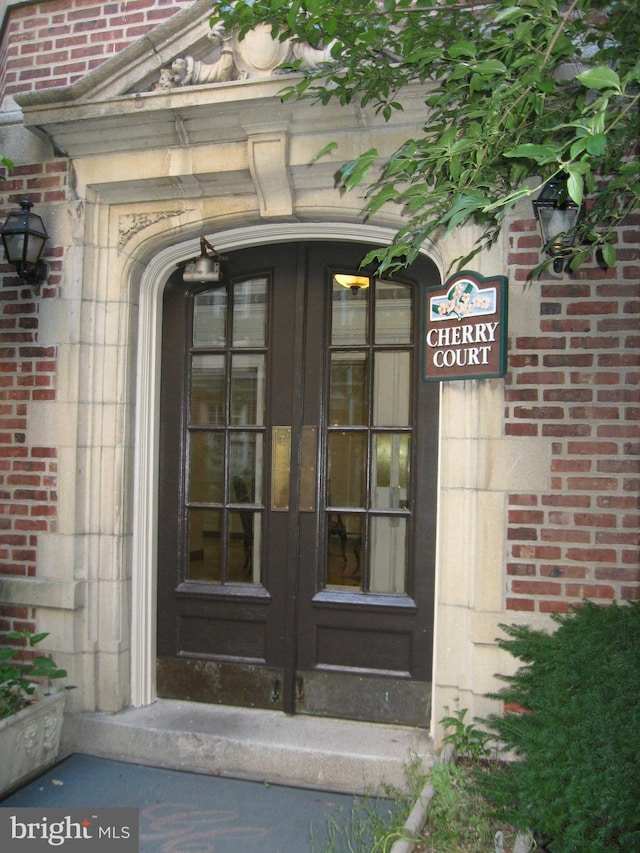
column 298, row 487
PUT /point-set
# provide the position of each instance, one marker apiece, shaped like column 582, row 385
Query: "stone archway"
column 154, row 278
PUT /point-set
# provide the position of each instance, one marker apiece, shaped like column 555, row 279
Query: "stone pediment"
column 190, row 112
column 160, row 91
column 183, row 51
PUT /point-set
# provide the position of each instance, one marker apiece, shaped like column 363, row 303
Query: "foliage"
column 516, row 93
column 459, row 819
column 578, row 739
column 468, row 741
column 17, row 672
column 375, row 823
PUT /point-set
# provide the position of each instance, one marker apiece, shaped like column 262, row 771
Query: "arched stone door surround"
column 154, row 278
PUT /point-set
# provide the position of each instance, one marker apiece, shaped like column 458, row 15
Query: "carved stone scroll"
column 256, row 56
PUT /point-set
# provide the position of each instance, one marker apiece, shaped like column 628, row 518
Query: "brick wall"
column 28, row 498
column 578, row 384
column 43, row 44
column 55, row 43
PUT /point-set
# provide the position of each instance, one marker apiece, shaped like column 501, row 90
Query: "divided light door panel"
column 298, row 481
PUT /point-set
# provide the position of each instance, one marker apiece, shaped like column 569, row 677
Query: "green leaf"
column 578, row 147
column 511, row 13
column 490, row 67
column 464, row 206
column 462, row 48
column 353, row 173
column 425, row 55
column 293, row 14
column 455, row 167
column 608, row 254
column 596, row 144
column 509, row 200
column 387, row 193
column 331, row 146
column 575, row 185
column 600, row 78
column 541, row 154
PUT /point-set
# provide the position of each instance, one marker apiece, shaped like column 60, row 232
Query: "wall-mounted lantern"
column 24, row 236
column 558, row 216
column 204, row 268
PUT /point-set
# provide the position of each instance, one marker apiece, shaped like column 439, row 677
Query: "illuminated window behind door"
column 369, row 437
column 226, row 433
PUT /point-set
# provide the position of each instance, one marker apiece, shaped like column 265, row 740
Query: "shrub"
column 577, row 737
column 19, row 674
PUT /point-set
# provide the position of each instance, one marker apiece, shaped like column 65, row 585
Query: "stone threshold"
column 311, row 752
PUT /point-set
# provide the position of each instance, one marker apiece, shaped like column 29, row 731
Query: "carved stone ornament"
column 257, row 56
column 130, row 224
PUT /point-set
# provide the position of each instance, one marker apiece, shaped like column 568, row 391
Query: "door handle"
column 280, row 467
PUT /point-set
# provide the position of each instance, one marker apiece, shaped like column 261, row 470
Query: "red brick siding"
column 17, row 619
column 43, row 44
column 577, row 383
column 28, row 473
column 55, row 43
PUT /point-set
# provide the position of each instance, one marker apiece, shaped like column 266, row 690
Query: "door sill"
column 265, row 746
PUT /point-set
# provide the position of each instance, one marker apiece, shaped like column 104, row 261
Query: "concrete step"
column 310, row 752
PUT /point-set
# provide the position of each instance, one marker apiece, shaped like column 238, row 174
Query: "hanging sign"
column 465, row 329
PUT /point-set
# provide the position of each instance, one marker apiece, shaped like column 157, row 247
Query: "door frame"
column 147, row 414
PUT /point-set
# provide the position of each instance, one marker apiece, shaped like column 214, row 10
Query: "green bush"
column 577, row 783
column 19, row 673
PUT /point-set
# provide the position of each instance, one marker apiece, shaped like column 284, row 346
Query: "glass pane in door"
column 205, row 545
column 347, row 469
column 392, row 388
column 210, row 320
column 349, row 315
column 348, row 402
column 247, row 389
column 390, row 470
column 250, row 313
column 226, row 433
column 345, row 551
column 368, row 438
column 394, row 313
column 206, row 467
column 207, row 389
column 388, row 558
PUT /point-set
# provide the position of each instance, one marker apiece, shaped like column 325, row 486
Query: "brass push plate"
column 280, row 467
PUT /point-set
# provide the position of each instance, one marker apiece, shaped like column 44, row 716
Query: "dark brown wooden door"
column 298, row 486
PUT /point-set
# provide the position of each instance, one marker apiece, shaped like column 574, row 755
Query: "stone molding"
column 49, row 593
